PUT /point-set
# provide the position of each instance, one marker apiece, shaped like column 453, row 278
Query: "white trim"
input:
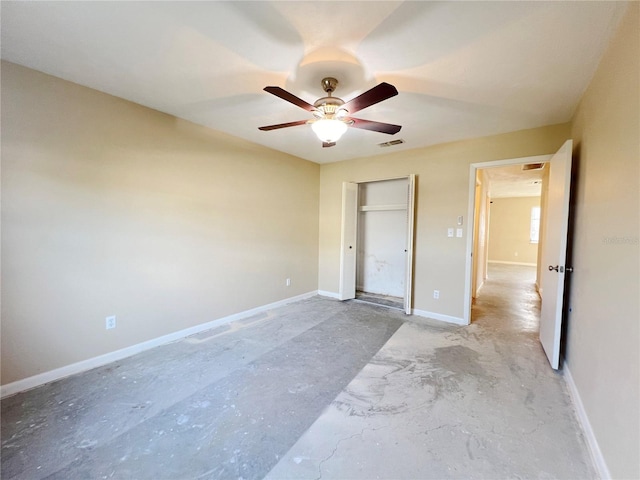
column 386, row 179
column 382, row 208
column 468, row 264
column 439, row 316
column 513, row 161
column 513, row 263
column 84, row 365
column 411, row 220
column 594, row 448
column 325, row 293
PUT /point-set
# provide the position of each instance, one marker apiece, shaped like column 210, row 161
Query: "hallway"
column 508, row 301
column 315, row 389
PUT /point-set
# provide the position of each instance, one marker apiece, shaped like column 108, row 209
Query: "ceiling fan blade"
column 371, row 97
column 375, row 126
column 282, row 125
column 328, row 144
column 289, row 97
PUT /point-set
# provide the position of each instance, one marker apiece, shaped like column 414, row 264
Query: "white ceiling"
column 463, row 69
column 513, row 181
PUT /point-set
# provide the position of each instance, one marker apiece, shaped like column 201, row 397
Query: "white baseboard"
column 513, row 263
column 414, row 311
column 594, row 448
column 84, row 365
column 325, row 293
column 439, row 316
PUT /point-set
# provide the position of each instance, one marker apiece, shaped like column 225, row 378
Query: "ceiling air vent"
column 533, row 166
column 391, row 143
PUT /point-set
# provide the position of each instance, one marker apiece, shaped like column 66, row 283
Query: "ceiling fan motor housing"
column 328, row 106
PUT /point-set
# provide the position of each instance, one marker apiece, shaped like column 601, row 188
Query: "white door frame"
column 408, row 273
column 473, row 169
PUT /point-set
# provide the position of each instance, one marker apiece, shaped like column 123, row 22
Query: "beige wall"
column 509, row 230
column 603, row 335
column 442, row 191
column 109, row 208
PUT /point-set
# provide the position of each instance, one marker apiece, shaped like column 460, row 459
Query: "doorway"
column 507, row 218
column 480, row 192
column 376, row 263
column 552, row 254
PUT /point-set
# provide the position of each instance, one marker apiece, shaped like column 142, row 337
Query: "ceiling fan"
column 332, row 114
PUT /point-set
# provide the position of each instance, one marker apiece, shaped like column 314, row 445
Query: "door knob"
column 560, row 269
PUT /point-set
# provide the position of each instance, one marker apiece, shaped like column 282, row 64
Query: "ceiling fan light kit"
column 328, row 130
column 332, row 114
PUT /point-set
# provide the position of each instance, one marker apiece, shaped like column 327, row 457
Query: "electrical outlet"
column 436, row 294
column 288, row 282
column 459, row 233
column 111, row 322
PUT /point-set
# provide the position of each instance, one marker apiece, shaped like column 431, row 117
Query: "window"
column 534, row 230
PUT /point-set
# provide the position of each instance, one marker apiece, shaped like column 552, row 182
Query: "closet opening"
column 377, row 249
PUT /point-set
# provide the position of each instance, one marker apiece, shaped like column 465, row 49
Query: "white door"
column 348, row 243
column 554, row 252
column 408, row 282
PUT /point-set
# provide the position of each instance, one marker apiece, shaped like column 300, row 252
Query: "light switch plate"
column 459, row 233
column 450, row 233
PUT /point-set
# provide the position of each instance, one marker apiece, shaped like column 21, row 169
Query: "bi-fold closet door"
column 377, row 238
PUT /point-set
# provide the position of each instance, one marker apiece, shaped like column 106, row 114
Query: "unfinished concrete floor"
column 442, row 402
column 316, row 389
